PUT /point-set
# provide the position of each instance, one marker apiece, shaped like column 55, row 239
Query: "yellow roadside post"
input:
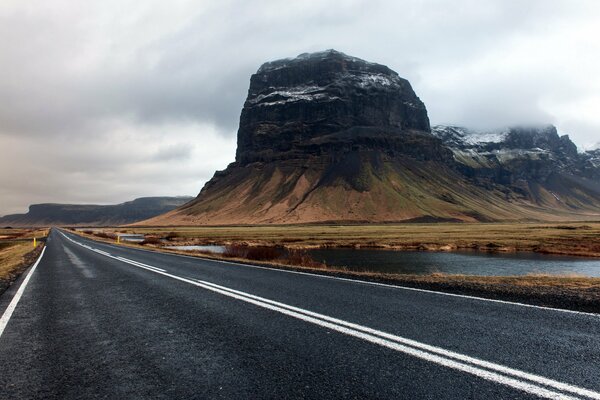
column 34, row 242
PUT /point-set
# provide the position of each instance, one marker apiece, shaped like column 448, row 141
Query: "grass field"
column 581, row 239
column 17, row 252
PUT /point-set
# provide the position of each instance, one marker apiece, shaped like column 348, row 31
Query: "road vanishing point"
column 94, row 320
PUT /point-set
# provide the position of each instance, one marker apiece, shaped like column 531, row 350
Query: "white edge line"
column 136, row 263
column 358, row 281
column 422, row 346
column 382, row 339
column 104, row 253
column 15, row 300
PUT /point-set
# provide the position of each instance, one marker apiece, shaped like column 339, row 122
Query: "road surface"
column 93, row 320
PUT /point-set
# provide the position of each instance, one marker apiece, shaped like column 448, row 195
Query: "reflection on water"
column 130, row 237
column 423, row 262
column 209, row 248
column 471, row 263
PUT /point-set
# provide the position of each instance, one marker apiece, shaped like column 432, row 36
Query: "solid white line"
column 138, row 264
column 13, row 304
column 422, row 346
column 104, row 253
column 387, row 285
column 420, row 350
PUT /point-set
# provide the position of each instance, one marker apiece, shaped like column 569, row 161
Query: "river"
column 469, row 263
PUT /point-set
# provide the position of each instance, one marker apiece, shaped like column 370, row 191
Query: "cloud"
column 103, row 101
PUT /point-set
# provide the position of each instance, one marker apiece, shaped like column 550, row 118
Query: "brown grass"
column 17, row 253
column 151, row 240
column 293, row 257
column 172, row 236
column 106, row 235
column 581, row 239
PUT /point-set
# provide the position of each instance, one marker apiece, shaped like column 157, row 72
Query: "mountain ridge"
column 330, row 137
column 47, row 214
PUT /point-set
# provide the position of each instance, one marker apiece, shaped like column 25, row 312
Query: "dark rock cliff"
column 534, row 152
column 325, row 102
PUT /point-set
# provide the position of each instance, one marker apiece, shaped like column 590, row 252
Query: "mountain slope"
column 329, row 137
column 94, row 215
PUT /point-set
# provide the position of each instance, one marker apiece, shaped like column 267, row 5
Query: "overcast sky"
column 105, row 101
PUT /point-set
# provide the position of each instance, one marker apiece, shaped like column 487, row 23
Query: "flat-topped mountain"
column 318, row 103
column 94, row 215
column 330, row 137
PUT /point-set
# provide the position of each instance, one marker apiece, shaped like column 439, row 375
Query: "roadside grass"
column 17, row 252
column 11, row 256
column 150, row 240
column 577, row 238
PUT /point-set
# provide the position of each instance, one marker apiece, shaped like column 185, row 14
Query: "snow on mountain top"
column 366, row 80
column 467, row 136
column 319, row 55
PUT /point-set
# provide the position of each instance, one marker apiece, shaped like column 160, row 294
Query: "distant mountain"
column 94, row 215
column 534, row 163
column 330, row 137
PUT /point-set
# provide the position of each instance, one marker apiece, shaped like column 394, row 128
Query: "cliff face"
column 94, row 215
column 313, row 104
column 330, row 137
column 534, row 163
column 531, row 153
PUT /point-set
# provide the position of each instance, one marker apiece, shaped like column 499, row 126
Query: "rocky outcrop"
column 94, row 215
column 528, row 161
column 523, row 152
column 330, row 137
column 591, row 164
column 323, row 103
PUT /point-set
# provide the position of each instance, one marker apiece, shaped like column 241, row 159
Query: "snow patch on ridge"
column 291, row 94
column 457, row 135
column 368, row 80
column 319, row 55
column 285, row 95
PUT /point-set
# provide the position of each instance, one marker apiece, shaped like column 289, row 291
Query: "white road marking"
column 138, row 264
column 530, row 383
column 419, row 345
column 13, row 304
column 387, row 285
column 104, row 253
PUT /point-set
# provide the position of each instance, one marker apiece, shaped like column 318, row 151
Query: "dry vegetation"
column 582, row 239
column 17, row 252
column 271, row 254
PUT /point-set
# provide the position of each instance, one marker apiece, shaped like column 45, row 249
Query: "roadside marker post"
column 118, row 238
column 34, row 242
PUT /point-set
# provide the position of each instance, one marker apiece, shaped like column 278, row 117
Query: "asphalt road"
column 100, row 321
